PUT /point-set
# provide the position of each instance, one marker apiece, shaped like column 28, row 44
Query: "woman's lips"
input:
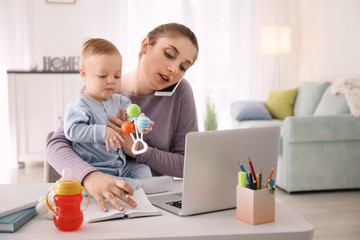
column 164, row 79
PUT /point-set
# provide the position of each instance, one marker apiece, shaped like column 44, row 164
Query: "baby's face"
column 102, row 76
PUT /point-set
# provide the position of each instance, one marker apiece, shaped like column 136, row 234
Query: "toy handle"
column 47, row 202
column 144, row 149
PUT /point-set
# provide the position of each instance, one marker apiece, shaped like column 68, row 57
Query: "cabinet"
column 36, row 106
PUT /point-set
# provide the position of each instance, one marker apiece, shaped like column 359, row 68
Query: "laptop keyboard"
column 176, row 204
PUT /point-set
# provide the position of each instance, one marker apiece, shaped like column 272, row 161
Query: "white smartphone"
column 167, row 91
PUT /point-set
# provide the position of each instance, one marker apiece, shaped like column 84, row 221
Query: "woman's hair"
column 171, row 30
column 97, row 46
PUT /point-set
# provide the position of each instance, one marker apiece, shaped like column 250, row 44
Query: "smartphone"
column 167, row 91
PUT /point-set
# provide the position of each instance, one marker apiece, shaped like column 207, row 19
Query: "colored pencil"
column 270, row 175
column 252, row 168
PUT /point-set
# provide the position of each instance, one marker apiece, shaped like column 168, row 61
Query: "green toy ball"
column 133, row 110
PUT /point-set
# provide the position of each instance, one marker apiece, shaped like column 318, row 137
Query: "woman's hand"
column 147, row 130
column 102, row 186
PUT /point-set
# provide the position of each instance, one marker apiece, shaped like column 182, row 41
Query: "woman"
column 166, row 54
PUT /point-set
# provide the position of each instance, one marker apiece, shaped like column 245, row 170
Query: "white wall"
column 329, row 39
column 60, row 29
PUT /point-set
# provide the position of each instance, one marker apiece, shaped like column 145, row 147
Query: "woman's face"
column 166, row 62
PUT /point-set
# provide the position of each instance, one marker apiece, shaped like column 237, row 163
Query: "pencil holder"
column 255, row 206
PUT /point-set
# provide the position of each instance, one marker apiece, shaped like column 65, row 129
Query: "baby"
column 86, row 118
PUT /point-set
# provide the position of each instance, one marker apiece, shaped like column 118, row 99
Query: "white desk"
column 217, row 225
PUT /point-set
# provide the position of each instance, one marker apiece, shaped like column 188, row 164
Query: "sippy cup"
column 68, row 214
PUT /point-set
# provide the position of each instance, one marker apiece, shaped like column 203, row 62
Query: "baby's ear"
column 82, row 73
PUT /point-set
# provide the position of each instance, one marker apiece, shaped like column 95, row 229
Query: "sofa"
column 320, row 138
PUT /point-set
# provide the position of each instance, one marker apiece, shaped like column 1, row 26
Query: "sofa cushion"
column 280, row 103
column 250, row 110
column 331, row 104
column 308, row 97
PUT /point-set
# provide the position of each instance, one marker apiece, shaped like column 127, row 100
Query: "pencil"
column 257, row 181
column 270, row 175
column 260, row 180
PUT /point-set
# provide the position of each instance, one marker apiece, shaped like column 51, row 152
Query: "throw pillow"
column 331, row 104
column 280, row 103
column 249, row 110
column 308, row 97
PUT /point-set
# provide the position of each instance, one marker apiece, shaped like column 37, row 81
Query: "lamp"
column 276, row 40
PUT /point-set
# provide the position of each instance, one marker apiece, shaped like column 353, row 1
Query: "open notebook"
column 144, row 208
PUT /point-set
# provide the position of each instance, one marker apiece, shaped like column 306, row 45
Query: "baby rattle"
column 128, row 128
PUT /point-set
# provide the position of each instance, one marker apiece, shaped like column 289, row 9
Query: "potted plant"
column 210, row 122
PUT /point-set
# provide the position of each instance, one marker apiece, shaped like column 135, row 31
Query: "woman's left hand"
column 147, row 130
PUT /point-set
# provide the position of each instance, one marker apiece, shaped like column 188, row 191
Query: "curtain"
column 14, row 53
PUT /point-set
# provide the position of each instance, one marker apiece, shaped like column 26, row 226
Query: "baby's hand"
column 112, row 138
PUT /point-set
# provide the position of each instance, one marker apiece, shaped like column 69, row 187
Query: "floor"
column 335, row 215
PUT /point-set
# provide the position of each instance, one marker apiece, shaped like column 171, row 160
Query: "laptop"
column 211, row 168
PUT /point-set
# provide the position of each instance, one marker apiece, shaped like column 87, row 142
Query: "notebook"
column 10, row 204
column 143, row 209
column 14, row 221
column 211, row 168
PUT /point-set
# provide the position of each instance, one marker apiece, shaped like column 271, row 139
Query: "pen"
column 253, row 186
column 270, row 175
column 260, row 180
column 244, row 170
column 250, row 177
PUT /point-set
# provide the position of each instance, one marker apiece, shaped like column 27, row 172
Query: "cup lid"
column 67, row 185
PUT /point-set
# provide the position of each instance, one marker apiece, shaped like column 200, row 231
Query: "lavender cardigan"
column 174, row 117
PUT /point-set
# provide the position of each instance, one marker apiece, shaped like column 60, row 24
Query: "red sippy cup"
column 68, row 213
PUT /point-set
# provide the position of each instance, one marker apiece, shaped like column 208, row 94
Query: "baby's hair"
column 171, row 30
column 97, row 46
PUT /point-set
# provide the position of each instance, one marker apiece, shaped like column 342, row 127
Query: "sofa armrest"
column 321, row 128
